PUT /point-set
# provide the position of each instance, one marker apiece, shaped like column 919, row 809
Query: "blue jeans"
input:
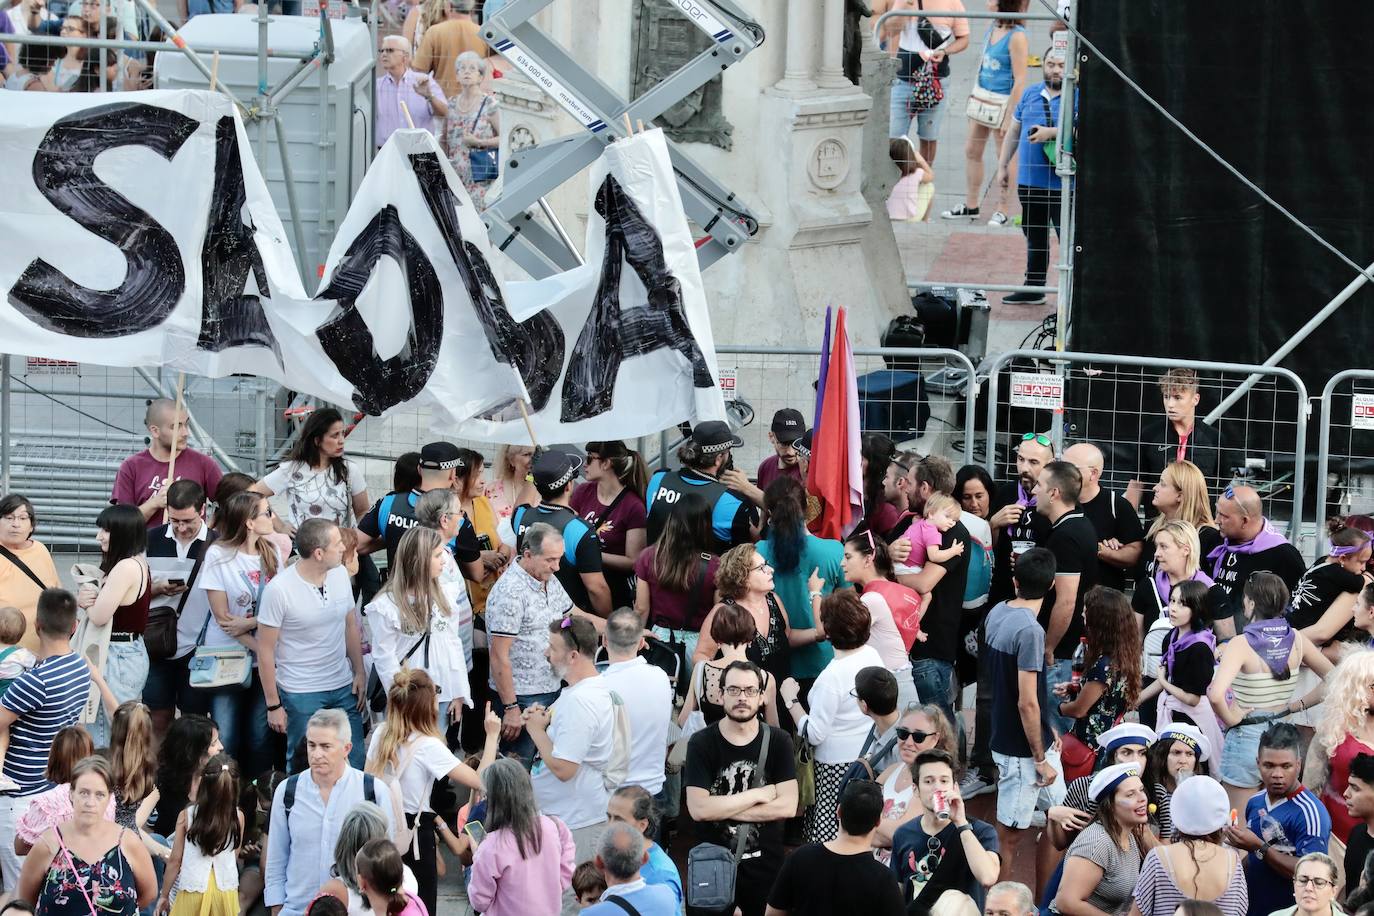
column 1060, row 673
column 126, row 671
column 934, row 679
column 301, row 706
column 523, row 745
column 241, row 716
column 899, row 116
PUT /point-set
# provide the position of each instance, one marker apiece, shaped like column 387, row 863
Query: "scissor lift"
column 532, row 173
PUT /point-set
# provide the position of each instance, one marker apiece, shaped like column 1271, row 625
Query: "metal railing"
column 1116, row 426
column 1358, row 457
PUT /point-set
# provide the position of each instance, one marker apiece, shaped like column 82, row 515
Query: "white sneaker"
column 972, row 785
column 998, row 219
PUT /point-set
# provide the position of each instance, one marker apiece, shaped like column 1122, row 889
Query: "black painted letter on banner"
column 533, row 346
column 378, row 383
column 611, row 335
column 64, row 173
column 229, row 316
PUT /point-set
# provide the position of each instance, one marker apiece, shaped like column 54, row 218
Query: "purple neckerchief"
column 1024, row 499
column 1163, row 589
column 1268, row 538
column 1182, row 642
column 1272, row 641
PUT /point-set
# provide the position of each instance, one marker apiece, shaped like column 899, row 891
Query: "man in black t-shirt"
column 1249, row 544
column 1073, row 541
column 1177, row 436
column 932, row 661
column 394, row 514
column 1016, row 526
column 1359, row 802
column 723, row 795
column 806, row 884
column 1120, row 539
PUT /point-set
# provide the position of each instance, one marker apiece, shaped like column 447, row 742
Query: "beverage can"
column 941, row 805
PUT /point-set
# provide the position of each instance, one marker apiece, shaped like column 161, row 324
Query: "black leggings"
column 423, row 865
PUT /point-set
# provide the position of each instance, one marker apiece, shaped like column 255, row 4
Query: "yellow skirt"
column 213, row 902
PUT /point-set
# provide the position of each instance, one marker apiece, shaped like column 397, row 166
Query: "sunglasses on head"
column 1038, row 437
column 915, row 734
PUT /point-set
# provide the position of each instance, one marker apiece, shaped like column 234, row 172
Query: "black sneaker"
column 961, row 212
column 1024, row 299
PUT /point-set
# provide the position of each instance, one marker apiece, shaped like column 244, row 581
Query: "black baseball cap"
column 553, row 469
column 714, row 436
column 441, row 456
column 803, row 445
column 788, row 424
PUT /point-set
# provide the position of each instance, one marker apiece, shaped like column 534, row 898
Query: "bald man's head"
column 1088, row 459
column 1240, row 513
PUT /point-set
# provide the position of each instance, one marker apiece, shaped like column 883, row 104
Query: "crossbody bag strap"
column 742, row 834
column 623, row 904
column 1049, row 112
column 76, row 879
column 595, row 521
column 23, row 567
column 195, row 570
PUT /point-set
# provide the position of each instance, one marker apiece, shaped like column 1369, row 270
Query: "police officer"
column 705, row 458
column 394, row 514
column 580, row 572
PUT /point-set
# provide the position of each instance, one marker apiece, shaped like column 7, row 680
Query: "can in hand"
column 941, row 805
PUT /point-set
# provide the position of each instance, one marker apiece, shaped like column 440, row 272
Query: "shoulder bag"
column 710, row 867
column 482, row 162
column 160, row 633
column 223, row 667
column 985, row 106
column 23, row 567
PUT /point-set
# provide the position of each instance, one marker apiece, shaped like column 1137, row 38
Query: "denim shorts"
column 1018, row 797
column 126, row 671
column 1240, row 755
column 900, row 118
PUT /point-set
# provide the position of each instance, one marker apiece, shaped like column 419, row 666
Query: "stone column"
column 796, row 74
column 832, row 47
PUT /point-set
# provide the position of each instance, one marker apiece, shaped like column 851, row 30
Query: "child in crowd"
column 925, row 534
column 14, row 658
column 205, row 853
column 911, row 195
column 588, row 884
column 379, row 877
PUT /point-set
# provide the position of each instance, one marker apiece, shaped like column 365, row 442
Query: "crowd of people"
column 542, row 679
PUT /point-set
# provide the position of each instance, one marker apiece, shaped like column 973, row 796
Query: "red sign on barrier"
column 1362, row 411
column 1039, row 390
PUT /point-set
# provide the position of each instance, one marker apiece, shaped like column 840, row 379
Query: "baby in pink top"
column 926, row 534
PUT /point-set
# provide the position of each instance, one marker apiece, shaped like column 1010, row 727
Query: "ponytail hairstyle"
column 132, row 758
column 868, row 544
column 785, row 503
column 411, row 711
column 215, row 826
column 628, row 464
column 233, row 517
column 379, row 864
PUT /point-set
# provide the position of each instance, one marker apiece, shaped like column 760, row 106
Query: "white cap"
column 1190, row 735
column 1200, row 806
column 1125, row 733
column 1108, row 778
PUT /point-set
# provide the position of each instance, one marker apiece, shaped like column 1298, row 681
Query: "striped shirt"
column 45, row 699
column 1156, row 894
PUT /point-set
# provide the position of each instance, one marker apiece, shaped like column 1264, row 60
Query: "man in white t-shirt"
column 647, row 694
column 575, row 739
column 305, row 617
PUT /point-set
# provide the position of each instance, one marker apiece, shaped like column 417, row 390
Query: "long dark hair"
column 878, row 450
column 405, row 476
column 973, row 472
column 870, row 545
column 1192, row 594
column 1113, row 634
column 785, row 502
column 473, row 465
column 379, row 862
column 128, row 534
column 187, row 741
column 307, row 447
column 1157, row 766
column 686, row 536
column 216, row 824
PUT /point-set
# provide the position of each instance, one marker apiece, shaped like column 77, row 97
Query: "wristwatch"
column 1263, row 848
column 509, row 706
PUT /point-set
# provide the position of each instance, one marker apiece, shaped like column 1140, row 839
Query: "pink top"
column 47, row 810
column 506, row 884
column 1333, row 796
column 414, row 906
column 904, row 202
column 922, row 534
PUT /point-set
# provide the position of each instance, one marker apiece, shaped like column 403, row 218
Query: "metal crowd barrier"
column 1107, row 400
column 1351, row 485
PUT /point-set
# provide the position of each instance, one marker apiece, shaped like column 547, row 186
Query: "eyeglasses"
column 1038, row 437
column 1318, row 883
column 913, row 734
column 16, row 517
column 386, row 50
column 761, row 567
column 750, row 692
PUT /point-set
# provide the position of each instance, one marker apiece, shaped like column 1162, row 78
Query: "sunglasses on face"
column 913, row 734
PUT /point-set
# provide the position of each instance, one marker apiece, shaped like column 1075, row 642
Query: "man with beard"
column 727, row 756
column 575, row 738
column 788, row 426
column 1016, row 526
column 1031, row 137
column 1249, row 544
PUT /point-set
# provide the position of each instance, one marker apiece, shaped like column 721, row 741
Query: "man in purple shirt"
column 788, row 426
column 398, row 83
column 142, row 478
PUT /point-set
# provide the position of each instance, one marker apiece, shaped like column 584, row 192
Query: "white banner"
column 144, row 235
